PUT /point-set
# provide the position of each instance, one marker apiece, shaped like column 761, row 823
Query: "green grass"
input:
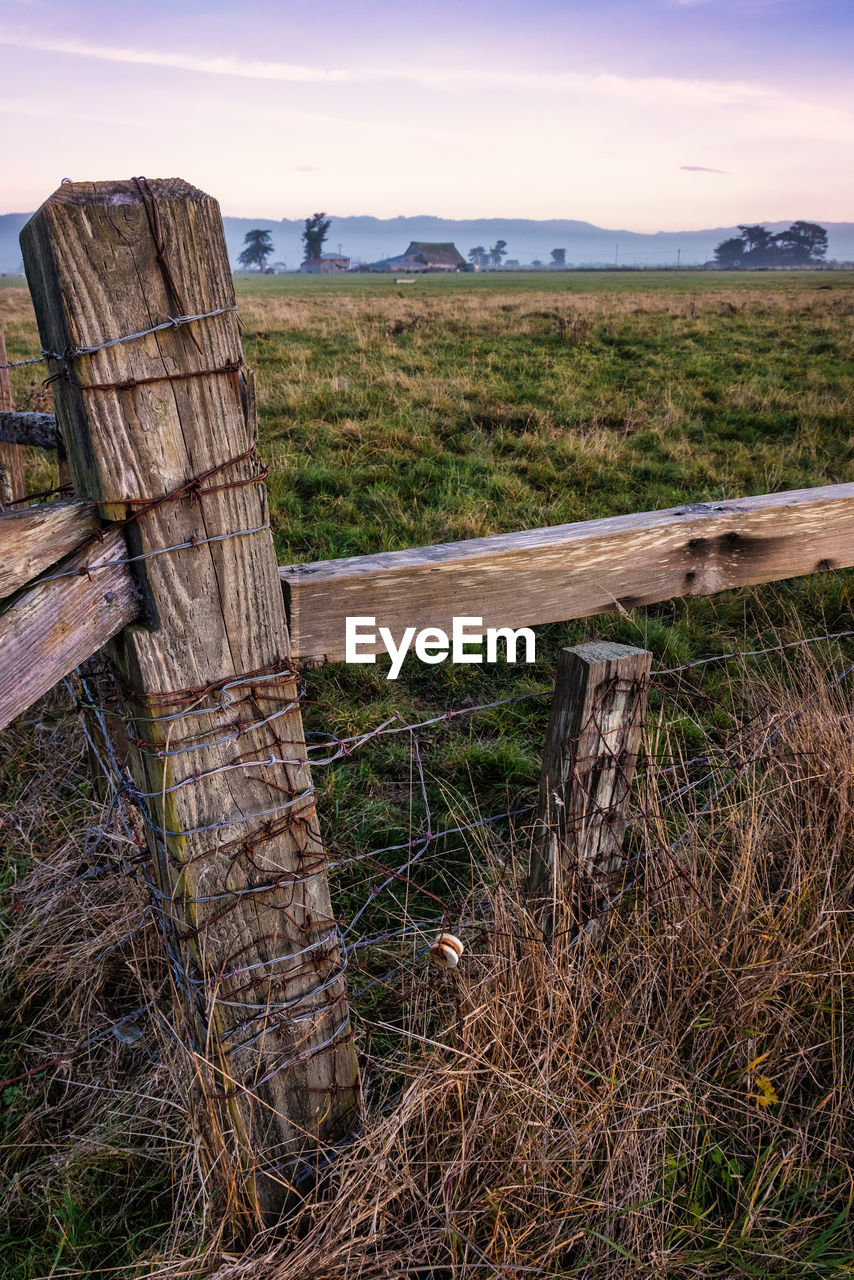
column 480, row 404
column 472, row 407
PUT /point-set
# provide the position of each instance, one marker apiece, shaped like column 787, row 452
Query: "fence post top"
column 593, row 651
column 122, row 191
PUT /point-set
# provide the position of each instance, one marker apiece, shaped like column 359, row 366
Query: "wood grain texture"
column 214, row 614
column 33, row 538
column 12, row 486
column 573, row 570
column 37, row 429
column 592, row 741
column 50, row 629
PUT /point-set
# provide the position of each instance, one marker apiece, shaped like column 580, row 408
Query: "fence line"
column 351, row 942
column 235, row 873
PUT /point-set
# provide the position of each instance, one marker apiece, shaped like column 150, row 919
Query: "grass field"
column 677, row 1100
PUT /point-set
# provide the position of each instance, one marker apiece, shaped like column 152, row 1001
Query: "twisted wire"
column 71, row 353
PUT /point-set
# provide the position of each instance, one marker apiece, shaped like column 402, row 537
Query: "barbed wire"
column 87, row 570
column 418, row 842
column 752, row 653
column 299, row 1013
column 296, row 1016
column 72, row 353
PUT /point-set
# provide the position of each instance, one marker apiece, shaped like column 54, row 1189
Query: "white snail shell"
column 446, row 951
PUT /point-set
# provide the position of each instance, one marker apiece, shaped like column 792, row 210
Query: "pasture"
column 671, row 1099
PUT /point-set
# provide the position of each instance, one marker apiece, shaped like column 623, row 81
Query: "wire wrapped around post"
column 165, row 445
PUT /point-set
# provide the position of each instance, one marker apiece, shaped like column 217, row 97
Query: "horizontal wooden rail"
column 572, row 570
column 37, row 429
column 50, row 629
column 33, row 538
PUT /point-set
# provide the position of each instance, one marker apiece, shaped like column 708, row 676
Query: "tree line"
column 801, row 245
column 482, row 257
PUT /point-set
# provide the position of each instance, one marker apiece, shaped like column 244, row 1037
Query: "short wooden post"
column 161, row 431
column 11, row 465
column 592, row 742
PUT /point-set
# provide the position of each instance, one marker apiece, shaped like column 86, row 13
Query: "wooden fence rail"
column 53, row 626
column 37, row 429
column 572, row 570
column 32, row 538
column 518, row 579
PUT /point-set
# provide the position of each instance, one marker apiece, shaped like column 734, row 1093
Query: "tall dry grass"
column 670, row 1095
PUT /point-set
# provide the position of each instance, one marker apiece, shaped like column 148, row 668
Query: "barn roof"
column 446, row 255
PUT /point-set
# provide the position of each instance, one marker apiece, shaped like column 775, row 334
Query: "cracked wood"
column 34, row 538
column 52, row 627
column 573, row 570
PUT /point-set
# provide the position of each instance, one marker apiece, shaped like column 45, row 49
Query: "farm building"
column 421, row 256
column 326, row 264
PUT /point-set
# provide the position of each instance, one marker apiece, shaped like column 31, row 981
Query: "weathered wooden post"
column 161, row 431
column 592, row 742
column 11, row 467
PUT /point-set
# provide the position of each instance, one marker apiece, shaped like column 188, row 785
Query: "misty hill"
column 368, row 239
column 10, row 253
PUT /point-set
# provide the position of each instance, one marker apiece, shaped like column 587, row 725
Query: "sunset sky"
column 642, row 114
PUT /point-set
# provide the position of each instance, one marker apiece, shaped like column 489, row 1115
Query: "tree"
column 478, row 256
column 497, row 252
column 730, row 253
column 316, row 231
column 558, row 257
column 761, row 247
column 802, row 243
column 257, row 247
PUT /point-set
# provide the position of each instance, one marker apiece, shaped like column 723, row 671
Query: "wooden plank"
column 37, row 429
column 33, row 538
column 592, row 741
column 12, row 486
column 572, row 570
column 50, row 629
column 235, row 839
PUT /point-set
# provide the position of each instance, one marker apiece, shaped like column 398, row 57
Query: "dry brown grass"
column 669, row 1097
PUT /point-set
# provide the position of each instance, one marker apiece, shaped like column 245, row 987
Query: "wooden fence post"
column 161, row 432
column 11, row 467
column 592, row 742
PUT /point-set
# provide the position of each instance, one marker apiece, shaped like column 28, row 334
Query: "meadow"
column 671, row 1098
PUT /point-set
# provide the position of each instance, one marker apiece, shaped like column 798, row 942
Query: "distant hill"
column 368, row 239
column 10, row 252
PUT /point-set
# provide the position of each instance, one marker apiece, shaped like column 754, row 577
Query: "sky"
column 646, row 115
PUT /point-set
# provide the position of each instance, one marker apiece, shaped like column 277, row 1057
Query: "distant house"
column 326, row 265
column 421, row 256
